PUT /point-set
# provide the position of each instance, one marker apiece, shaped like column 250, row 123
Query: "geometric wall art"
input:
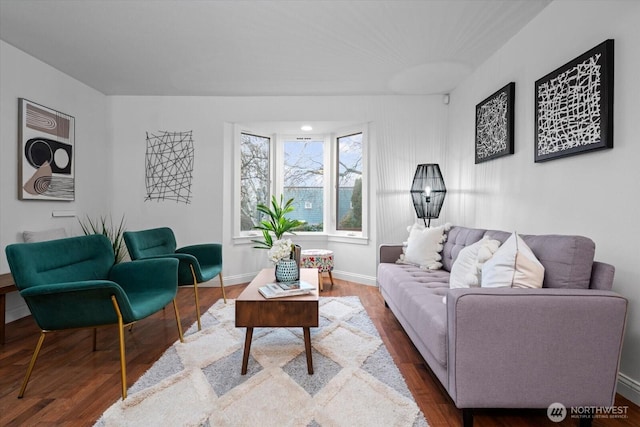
column 494, row 124
column 169, row 166
column 46, row 151
column 574, row 106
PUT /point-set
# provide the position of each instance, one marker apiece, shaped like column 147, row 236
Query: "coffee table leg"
column 247, row 348
column 307, row 347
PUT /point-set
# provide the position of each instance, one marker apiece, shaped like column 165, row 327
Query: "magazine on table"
column 286, row 289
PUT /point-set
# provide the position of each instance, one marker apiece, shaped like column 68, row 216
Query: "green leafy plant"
column 107, row 228
column 275, row 222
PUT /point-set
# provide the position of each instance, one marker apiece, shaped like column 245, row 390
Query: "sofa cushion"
column 567, row 260
column 457, row 239
column 423, row 247
column 514, row 265
column 418, row 296
column 391, row 274
column 467, row 268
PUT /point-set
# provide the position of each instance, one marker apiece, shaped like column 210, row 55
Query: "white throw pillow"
column 513, row 265
column 423, row 247
column 466, row 271
column 41, row 236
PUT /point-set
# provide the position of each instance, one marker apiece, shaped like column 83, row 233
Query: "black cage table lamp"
column 428, row 191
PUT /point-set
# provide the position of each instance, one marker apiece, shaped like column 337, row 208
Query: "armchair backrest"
column 63, row 260
column 152, row 242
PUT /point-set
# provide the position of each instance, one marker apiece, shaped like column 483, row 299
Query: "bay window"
column 325, row 175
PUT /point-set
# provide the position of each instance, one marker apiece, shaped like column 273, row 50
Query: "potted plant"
column 113, row 233
column 282, row 252
column 282, row 256
column 276, row 222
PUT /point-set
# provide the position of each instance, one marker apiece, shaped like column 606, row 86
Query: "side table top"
column 7, row 284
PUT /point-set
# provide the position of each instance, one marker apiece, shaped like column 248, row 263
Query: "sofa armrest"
column 389, row 253
column 602, row 276
column 513, row 348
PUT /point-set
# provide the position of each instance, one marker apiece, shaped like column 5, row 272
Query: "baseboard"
column 247, row 277
column 235, row 279
column 353, row 277
column 629, row 388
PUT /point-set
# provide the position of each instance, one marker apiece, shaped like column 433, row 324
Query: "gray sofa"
column 508, row 347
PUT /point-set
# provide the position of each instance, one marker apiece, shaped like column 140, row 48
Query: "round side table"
column 322, row 259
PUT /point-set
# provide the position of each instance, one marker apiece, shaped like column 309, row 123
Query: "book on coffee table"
column 286, row 289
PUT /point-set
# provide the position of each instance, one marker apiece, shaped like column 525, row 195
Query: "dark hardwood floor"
column 72, row 385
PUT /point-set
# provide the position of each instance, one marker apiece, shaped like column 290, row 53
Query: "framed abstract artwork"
column 574, row 106
column 494, row 124
column 46, row 153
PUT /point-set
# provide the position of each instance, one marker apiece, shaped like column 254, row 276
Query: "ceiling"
column 236, row 47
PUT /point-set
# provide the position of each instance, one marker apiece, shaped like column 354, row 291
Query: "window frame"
column 352, row 234
column 278, row 168
column 330, row 193
column 237, row 180
column 336, row 171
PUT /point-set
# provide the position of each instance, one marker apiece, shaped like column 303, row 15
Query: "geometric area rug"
column 198, row 382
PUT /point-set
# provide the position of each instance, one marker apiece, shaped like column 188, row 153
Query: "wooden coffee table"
column 254, row 310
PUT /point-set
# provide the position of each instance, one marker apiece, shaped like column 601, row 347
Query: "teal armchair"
column 73, row 283
column 198, row 263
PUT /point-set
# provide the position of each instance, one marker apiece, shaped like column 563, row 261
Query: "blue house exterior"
column 309, row 205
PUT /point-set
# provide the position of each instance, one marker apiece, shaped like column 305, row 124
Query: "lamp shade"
column 428, row 191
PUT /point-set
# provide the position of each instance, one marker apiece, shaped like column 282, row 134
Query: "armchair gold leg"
column 224, row 296
column 123, row 365
column 31, row 364
column 175, row 310
column 195, row 291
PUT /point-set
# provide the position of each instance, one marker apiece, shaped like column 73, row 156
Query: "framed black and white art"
column 574, row 106
column 494, row 124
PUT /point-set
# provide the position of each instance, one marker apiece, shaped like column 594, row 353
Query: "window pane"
column 254, row 178
column 304, row 181
column 349, row 197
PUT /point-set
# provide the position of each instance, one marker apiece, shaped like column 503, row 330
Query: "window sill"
column 308, row 237
column 343, row 238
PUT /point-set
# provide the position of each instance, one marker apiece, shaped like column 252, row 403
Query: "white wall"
column 22, row 76
column 592, row 194
column 404, row 130
column 110, row 138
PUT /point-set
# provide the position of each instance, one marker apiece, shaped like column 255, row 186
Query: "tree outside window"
column 349, row 197
column 255, row 179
